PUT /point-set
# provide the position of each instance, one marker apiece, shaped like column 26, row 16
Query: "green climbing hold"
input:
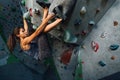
column 23, row 2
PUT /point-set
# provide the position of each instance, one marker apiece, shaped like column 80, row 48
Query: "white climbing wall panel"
column 91, row 69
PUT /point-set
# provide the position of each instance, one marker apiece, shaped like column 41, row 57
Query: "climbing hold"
column 103, row 35
column 101, row 63
column 97, row 10
column 34, row 27
column 23, row 2
column 114, row 46
column 91, row 23
column 26, row 15
column 36, row 11
column 113, row 57
column 83, row 33
column 69, row 37
column 95, row 46
column 31, row 12
column 115, row 23
column 83, row 46
column 77, row 22
column 83, row 10
column 66, row 56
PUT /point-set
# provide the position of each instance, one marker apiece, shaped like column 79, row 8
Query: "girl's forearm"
column 25, row 25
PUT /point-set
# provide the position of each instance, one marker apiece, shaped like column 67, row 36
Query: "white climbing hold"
column 103, row 35
column 34, row 27
column 26, row 15
column 83, row 10
column 91, row 23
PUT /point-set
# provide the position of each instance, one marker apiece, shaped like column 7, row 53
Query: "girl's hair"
column 13, row 38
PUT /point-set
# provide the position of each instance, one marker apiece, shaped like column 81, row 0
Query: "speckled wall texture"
column 10, row 15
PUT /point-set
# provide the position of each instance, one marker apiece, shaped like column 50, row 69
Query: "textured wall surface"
column 11, row 17
column 10, row 11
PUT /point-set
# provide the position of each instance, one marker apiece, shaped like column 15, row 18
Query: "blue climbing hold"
column 101, row 63
column 114, row 47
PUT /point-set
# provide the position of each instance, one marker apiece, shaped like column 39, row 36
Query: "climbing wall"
column 10, row 15
column 84, row 18
column 81, row 26
column 105, row 61
column 75, row 62
column 3, row 52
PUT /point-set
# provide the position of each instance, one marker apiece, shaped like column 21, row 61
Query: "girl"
column 22, row 35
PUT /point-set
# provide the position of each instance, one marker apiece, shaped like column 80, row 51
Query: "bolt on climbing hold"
column 69, row 37
column 97, row 10
column 23, row 2
column 102, row 63
column 34, row 27
column 113, row 57
column 66, row 56
column 115, row 23
column 31, row 11
column 83, row 46
column 95, row 46
column 91, row 23
column 36, row 11
column 83, row 33
column 114, row 47
column 103, row 35
column 83, row 10
column 26, row 15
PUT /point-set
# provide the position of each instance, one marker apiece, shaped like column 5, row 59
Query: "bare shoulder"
column 24, row 45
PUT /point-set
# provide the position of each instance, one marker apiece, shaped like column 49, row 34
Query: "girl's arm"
column 40, row 29
column 25, row 25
